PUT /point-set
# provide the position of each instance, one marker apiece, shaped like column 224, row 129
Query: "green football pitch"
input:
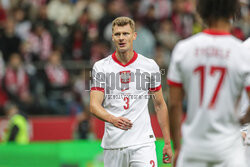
column 59, row 154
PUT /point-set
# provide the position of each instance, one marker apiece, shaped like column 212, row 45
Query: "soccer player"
column 122, row 83
column 211, row 69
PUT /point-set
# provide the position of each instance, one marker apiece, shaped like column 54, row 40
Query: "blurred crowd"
column 47, row 47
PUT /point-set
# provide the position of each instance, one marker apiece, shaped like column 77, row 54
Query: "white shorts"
column 134, row 156
column 236, row 159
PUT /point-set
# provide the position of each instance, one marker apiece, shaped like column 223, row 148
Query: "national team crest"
column 125, row 77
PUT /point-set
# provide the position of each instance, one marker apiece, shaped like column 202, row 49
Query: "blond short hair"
column 122, row 21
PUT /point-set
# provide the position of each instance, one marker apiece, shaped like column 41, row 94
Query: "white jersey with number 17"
column 213, row 69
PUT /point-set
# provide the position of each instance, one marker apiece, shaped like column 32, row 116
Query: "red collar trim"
column 130, row 61
column 214, row 32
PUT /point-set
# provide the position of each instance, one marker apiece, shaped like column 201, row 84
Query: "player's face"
column 123, row 37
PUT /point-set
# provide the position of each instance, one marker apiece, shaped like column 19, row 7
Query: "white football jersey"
column 244, row 102
column 213, row 69
column 126, row 90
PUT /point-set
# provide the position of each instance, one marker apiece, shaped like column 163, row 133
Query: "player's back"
column 210, row 67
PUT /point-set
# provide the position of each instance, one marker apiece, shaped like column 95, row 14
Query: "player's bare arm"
column 246, row 118
column 162, row 116
column 175, row 116
column 96, row 99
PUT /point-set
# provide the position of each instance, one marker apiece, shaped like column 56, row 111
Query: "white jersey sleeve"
column 98, row 78
column 155, row 80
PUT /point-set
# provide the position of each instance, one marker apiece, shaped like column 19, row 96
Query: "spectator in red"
column 39, row 42
column 182, row 17
column 16, row 83
column 79, row 46
column 57, row 83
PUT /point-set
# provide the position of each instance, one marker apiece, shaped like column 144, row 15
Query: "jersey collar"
column 130, row 61
column 214, row 32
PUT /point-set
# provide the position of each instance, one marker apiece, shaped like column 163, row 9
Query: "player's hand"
column 121, row 123
column 167, row 154
column 243, row 134
column 176, row 155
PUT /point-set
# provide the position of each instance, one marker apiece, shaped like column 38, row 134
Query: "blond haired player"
column 119, row 96
column 211, row 68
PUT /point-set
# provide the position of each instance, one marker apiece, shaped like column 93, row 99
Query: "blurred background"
column 47, row 50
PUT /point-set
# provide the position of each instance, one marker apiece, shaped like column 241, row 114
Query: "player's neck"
column 220, row 26
column 124, row 57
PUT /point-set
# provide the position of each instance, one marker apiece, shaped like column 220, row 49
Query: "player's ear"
column 113, row 38
column 135, row 36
